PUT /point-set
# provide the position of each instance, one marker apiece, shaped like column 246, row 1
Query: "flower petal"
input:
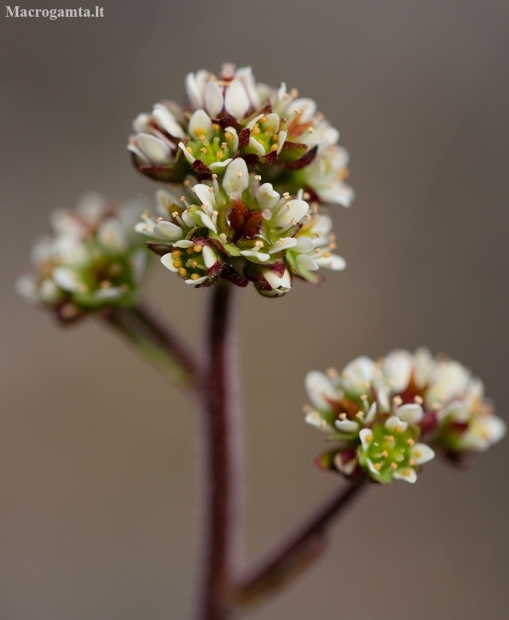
column 406, row 473
column 155, row 149
column 236, row 177
column 167, row 121
column 206, row 195
column 200, row 124
column 320, row 390
column 395, row 425
column 366, row 437
column 421, row 453
column 347, row 426
column 168, row 231
column 214, row 100
column 411, row 413
column 236, row 100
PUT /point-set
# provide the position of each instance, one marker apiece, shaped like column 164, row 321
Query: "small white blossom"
column 95, row 259
column 390, row 416
column 256, row 233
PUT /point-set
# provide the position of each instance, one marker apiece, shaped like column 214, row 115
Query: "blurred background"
column 99, row 481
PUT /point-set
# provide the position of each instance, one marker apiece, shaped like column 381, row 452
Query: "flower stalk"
column 153, row 341
column 298, row 551
column 221, row 448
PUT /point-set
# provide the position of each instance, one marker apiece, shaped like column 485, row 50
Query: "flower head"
column 387, row 416
column 276, row 132
column 242, row 230
column 93, row 260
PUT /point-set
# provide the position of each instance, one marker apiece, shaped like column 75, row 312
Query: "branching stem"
column 154, row 341
column 298, row 551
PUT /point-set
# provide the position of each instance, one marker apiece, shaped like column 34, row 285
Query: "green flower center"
column 388, row 450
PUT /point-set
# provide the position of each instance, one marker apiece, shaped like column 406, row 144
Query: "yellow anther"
column 203, row 150
column 394, row 466
column 377, row 466
column 342, row 416
column 274, row 147
column 198, row 248
column 194, row 276
column 411, row 462
column 201, row 138
column 410, row 441
column 418, row 400
column 385, row 454
column 177, row 263
column 228, row 135
column 219, row 154
column 238, row 175
column 189, row 149
column 182, row 272
column 216, row 127
column 397, row 400
column 190, row 250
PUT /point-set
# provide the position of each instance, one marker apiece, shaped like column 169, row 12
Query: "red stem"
column 300, row 549
column 221, row 422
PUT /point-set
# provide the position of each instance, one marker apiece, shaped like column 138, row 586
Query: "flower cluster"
column 388, row 417
column 279, row 135
column 94, row 259
column 242, row 230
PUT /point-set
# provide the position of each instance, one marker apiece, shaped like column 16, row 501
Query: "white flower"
column 325, row 176
column 358, row 375
column 258, row 234
column 95, row 259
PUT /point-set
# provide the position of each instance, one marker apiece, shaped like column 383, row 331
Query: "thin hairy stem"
column 298, row 551
column 154, row 341
column 221, row 452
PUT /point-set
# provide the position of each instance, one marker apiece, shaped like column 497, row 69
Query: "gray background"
column 98, row 455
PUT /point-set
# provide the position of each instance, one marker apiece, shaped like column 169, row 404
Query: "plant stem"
column 154, row 341
column 222, row 445
column 299, row 550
